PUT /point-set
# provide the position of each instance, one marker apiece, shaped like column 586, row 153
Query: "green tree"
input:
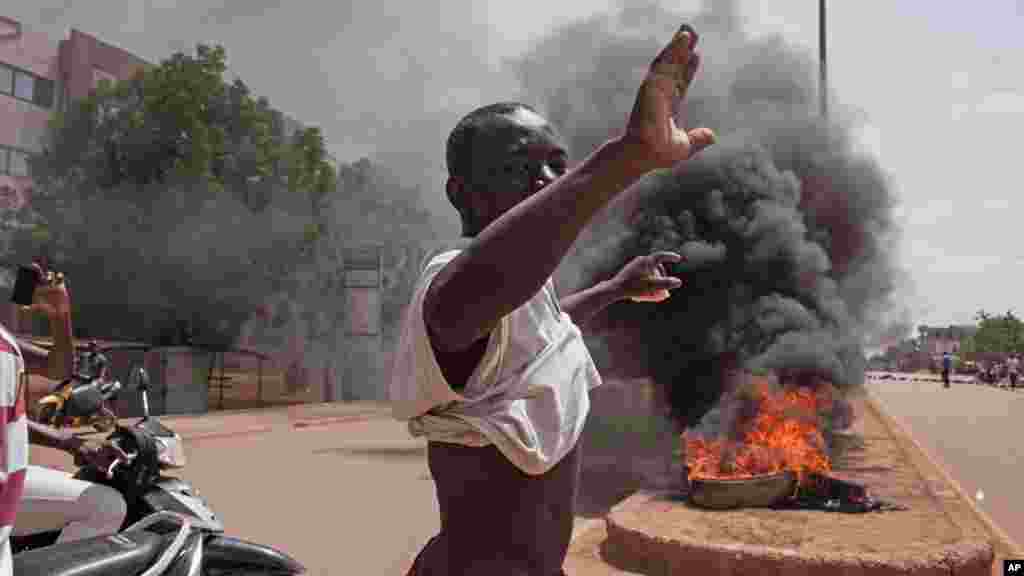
column 175, row 198
column 996, row 334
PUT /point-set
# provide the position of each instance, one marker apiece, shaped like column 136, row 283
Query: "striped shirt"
column 13, row 441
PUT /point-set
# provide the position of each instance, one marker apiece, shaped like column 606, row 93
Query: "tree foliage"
column 175, row 197
column 1002, row 334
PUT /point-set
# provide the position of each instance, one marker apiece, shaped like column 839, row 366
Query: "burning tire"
column 753, row 492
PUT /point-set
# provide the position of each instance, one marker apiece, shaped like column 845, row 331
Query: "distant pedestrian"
column 947, row 367
column 1013, row 368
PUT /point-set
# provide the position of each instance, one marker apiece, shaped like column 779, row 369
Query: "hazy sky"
column 937, row 85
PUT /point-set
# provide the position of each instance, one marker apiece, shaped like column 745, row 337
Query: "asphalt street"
column 342, row 497
column 974, row 432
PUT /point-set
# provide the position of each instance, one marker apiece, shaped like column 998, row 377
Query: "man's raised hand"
column 51, row 296
column 652, row 136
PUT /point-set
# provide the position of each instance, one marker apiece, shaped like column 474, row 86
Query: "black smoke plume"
column 785, row 228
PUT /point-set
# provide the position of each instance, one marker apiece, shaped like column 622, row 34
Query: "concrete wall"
column 177, row 381
column 184, row 388
column 939, row 346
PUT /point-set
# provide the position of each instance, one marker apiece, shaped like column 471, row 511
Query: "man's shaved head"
column 459, row 153
column 497, row 156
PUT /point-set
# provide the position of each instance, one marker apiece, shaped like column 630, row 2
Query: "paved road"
column 342, row 498
column 348, row 497
column 355, row 497
column 976, row 433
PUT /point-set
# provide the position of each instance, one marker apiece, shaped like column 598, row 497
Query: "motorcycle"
column 87, row 397
column 169, row 530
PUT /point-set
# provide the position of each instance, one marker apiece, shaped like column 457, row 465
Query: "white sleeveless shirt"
column 529, row 395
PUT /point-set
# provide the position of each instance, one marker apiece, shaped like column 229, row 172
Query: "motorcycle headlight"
column 170, row 452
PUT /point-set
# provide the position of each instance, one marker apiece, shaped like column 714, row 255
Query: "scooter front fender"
column 226, row 553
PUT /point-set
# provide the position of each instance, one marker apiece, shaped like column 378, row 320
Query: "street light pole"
column 822, row 60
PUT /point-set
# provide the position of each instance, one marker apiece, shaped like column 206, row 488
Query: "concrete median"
column 942, row 533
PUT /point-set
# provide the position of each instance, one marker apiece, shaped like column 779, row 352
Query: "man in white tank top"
column 491, row 367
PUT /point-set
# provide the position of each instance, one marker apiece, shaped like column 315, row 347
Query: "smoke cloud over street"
column 787, row 231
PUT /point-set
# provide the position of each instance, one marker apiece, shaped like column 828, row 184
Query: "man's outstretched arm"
column 43, row 435
column 58, row 363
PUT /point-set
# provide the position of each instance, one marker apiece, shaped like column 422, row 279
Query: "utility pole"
column 822, row 60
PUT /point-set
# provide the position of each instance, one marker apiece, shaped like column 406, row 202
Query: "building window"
column 23, row 85
column 26, row 86
column 17, row 163
column 43, row 93
column 13, row 162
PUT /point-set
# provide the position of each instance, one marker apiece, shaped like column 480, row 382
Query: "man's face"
column 515, row 156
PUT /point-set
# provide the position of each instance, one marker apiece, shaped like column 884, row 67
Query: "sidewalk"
column 220, row 424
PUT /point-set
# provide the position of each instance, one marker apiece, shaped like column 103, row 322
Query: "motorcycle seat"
column 124, row 554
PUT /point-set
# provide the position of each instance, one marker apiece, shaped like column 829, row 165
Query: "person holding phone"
column 35, row 498
column 491, row 367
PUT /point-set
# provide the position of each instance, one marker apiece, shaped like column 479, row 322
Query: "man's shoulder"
column 434, row 264
column 442, row 257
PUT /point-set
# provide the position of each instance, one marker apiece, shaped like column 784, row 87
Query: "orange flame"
column 783, row 435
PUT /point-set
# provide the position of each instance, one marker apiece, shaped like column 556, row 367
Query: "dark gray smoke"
column 786, row 229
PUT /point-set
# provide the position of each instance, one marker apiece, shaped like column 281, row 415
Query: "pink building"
column 939, row 340
column 85, row 61
column 29, row 77
column 38, row 77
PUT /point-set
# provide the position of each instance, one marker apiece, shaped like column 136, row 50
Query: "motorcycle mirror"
column 138, row 379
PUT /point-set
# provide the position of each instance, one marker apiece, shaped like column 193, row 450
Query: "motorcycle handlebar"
column 110, row 469
column 109, row 472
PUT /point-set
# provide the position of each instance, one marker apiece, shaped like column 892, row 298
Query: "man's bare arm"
column 55, row 364
column 582, row 306
column 62, row 358
column 42, row 435
column 36, row 358
column 508, row 262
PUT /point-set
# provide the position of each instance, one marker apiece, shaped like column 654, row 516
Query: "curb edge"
column 328, row 420
column 228, row 433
